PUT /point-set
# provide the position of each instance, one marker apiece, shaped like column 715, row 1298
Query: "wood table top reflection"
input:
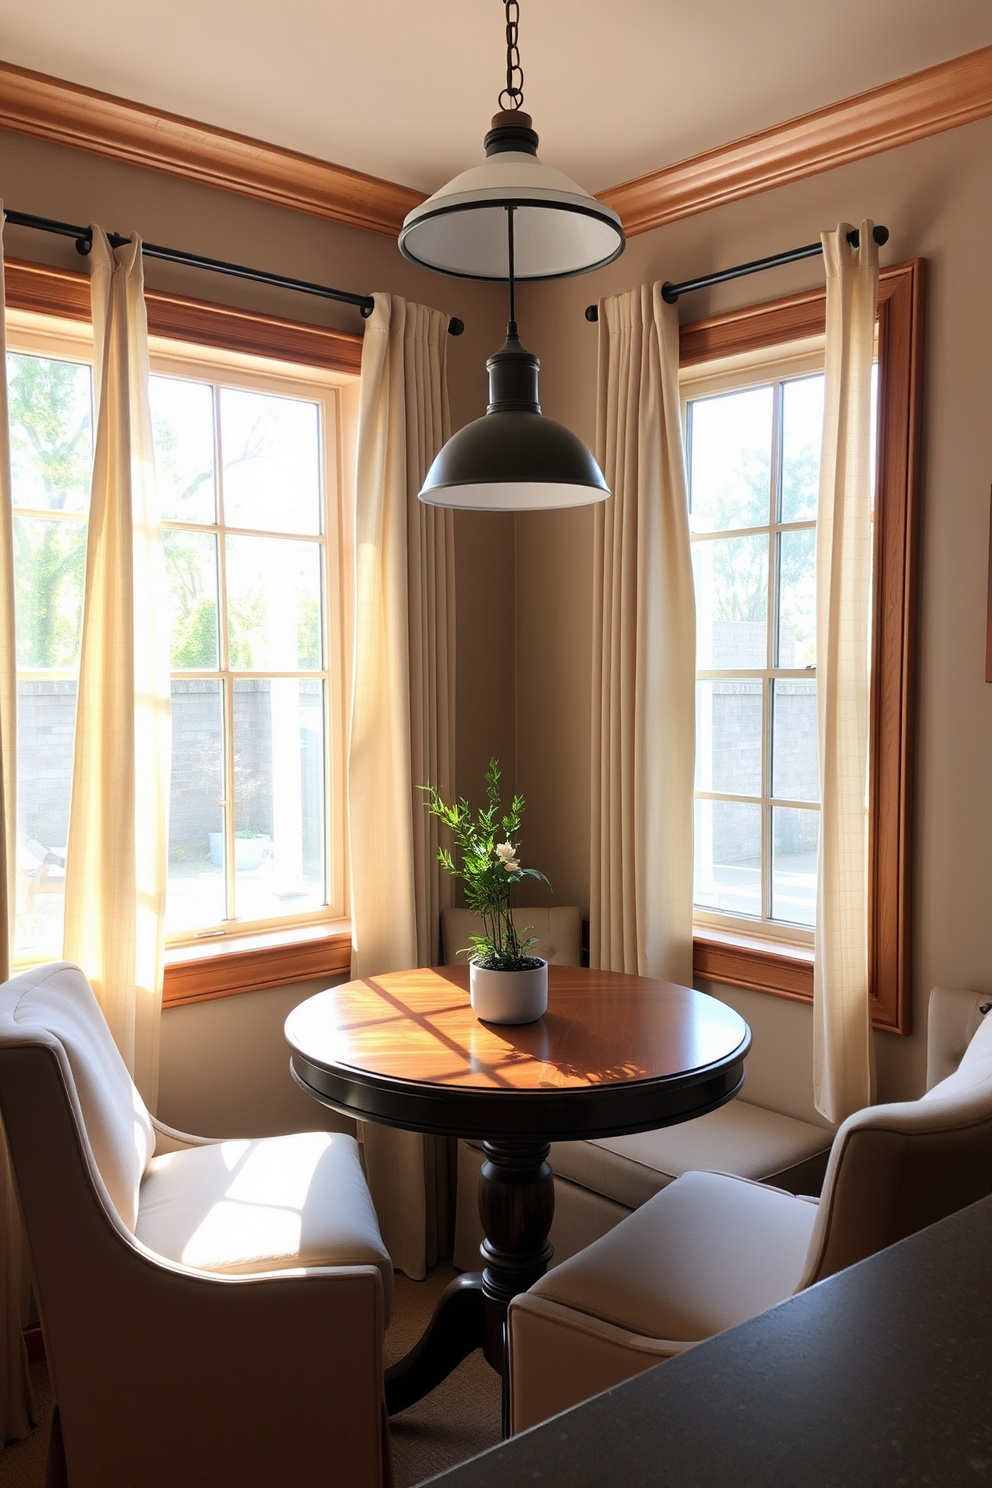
column 600, row 1028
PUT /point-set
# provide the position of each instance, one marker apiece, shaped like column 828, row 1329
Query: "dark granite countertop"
column 881, row 1376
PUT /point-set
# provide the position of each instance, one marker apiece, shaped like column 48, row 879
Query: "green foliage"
column 193, row 628
column 179, row 475
column 51, row 444
column 740, row 566
column 308, row 632
column 489, row 869
column 247, row 627
column 49, row 564
column 194, row 637
column 50, row 425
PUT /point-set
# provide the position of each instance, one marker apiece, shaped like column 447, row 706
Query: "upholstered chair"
column 213, row 1312
column 598, row 1183
column 711, row 1250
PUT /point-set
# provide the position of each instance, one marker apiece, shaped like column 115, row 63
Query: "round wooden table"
column 613, row 1054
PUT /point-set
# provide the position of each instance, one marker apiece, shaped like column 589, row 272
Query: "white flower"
column 505, row 850
column 511, row 865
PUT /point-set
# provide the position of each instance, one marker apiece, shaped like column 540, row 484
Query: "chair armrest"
column 560, row 1356
column 168, row 1139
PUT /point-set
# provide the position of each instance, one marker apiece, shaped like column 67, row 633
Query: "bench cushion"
column 559, row 933
column 739, row 1138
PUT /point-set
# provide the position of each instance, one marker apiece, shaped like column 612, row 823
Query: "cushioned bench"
column 598, row 1183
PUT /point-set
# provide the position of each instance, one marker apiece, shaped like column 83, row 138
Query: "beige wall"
column 225, row 1068
column 936, row 199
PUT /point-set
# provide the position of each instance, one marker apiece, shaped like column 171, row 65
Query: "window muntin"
column 284, row 662
column 753, row 436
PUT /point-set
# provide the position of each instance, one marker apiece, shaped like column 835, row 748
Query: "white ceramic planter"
column 249, row 852
column 508, row 996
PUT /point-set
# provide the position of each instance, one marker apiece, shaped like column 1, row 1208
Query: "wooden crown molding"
column 48, row 291
column 942, row 97
column 51, row 109
column 928, row 102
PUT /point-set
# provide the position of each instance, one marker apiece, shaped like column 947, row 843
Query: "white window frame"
column 736, row 374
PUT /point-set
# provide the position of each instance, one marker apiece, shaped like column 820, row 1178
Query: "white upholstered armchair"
column 213, row 1312
column 711, row 1250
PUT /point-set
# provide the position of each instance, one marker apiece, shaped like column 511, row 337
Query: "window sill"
column 209, row 969
column 775, row 967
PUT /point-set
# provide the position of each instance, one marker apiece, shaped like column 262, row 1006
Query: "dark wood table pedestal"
column 516, row 1205
column 614, row 1054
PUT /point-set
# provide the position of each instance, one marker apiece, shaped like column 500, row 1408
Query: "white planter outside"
column 249, row 852
column 508, row 996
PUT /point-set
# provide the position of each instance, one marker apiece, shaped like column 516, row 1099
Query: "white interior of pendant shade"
column 558, row 228
column 513, row 496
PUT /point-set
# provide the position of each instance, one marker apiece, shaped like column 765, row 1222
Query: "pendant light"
column 513, row 458
column 560, row 229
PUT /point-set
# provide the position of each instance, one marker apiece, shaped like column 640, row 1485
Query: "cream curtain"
column 402, row 722
column 643, row 733
column 841, row 1024
column 16, row 1405
column 117, row 843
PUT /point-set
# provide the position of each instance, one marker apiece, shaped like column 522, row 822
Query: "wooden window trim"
column 782, row 970
column 249, row 963
column 48, row 291
column 204, row 971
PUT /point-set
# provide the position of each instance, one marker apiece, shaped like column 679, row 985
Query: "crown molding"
column 924, row 103
column 49, row 108
column 942, row 97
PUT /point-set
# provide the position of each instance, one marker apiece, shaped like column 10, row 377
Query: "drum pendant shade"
column 559, row 229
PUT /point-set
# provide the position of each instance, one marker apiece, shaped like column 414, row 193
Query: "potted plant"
column 506, row 984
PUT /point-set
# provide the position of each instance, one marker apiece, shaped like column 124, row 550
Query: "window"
column 251, row 454
column 753, row 455
column 753, row 396
column 242, row 483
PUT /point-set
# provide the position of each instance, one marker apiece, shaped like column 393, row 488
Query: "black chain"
column 513, row 93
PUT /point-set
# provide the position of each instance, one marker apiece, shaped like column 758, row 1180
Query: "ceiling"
column 405, row 90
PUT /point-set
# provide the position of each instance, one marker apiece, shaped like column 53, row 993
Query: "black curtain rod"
column 670, row 292
column 84, row 242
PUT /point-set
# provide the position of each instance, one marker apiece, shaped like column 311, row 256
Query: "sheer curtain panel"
column 842, row 1068
column 402, row 721
column 116, row 861
column 16, row 1405
column 643, row 651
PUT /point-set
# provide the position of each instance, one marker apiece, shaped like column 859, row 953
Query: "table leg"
column 516, row 1204
column 455, row 1331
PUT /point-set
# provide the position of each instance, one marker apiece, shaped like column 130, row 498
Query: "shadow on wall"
column 225, row 1067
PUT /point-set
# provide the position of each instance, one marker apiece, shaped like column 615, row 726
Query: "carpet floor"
column 457, row 1420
